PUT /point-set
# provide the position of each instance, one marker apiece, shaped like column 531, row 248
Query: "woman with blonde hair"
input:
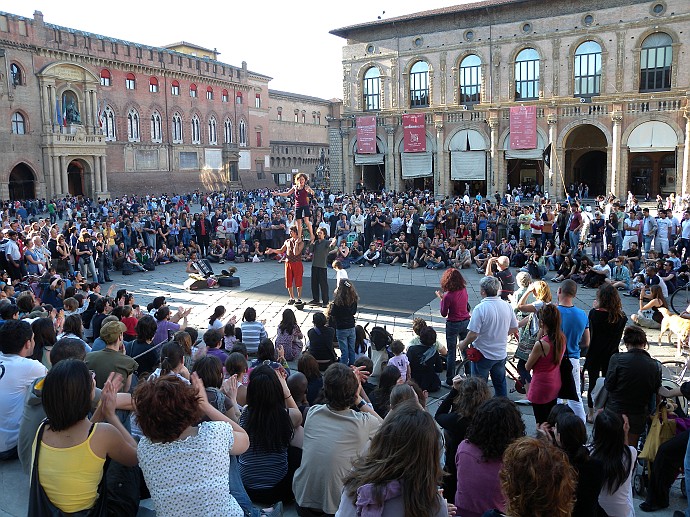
column 528, row 491
column 529, row 324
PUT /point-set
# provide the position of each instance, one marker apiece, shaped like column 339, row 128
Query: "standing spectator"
column 18, row 373
column 455, row 308
column 319, row 276
column 544, row 363
column 575, row 326
column 491, row 322
column 203, row 228
column 342, row 311
column 503, row 273
column 574, row 226
column 606, row 323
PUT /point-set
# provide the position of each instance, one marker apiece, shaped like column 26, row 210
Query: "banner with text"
column 366, row 135
column 523, row 127
column 414, row 133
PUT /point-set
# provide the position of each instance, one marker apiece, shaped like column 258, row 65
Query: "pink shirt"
column 478, row 486
column 454, row 305
column 546, row 377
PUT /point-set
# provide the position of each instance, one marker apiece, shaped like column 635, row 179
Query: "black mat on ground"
column 376, row 297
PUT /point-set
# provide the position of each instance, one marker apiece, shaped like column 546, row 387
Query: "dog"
column 673, row 324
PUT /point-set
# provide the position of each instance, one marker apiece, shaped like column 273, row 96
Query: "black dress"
column 425, row 373
column 604, row 338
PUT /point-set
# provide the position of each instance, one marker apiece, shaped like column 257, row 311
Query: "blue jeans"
column 647, row 243
column 497, row 370
column 238, row 492
column 346, row 343
column 525, row 235
column 574, row 238
column 454, row 330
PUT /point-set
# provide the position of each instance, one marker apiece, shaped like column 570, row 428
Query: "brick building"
column 605, row 77
column 299, row 136
column 89, row 114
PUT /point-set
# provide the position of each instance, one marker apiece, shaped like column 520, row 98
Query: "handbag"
column 528, row 337
column 473, row 354
column 661, row 430
column 568, row 389
column 41, row 506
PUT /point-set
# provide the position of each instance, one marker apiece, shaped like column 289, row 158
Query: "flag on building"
column 547, row 156
column 58, row 113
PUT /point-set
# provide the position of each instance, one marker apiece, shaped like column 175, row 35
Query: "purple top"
column 479, row 488
column 454, row 305
column 162, row 331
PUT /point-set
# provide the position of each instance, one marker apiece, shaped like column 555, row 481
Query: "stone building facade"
column 92, row 115
column 606, row 78
column 299, row 136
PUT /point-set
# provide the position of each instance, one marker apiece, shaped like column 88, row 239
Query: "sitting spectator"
column 496, row 425
column 425, row 361
column 167, row 409
column 147, row 355
column 454, row 415
column 394, row 478
column 213, row 339
column 273, row 423
column 252, row 331
column 112, row 358
column 71, row 451
column 290, row 336
column 380, row 397
column 321, row 339
column 620, row 275
column 372, row 256
column 309, row 367
column 318, row 481
column 236, row 364
column 221, row 395
column 172, row 363
column 19, row 372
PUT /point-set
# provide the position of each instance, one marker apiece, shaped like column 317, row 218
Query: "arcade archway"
column 585, row 160
column 75, row 178
column 22, row 184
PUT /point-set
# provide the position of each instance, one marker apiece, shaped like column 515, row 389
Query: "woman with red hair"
column 455, row 308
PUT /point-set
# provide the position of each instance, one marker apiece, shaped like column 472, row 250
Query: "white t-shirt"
column 217, row 324
column 17, row 373
column 620, row 503
column 491, row 319
column 340, row 275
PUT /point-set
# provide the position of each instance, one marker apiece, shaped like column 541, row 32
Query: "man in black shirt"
column 503, row 273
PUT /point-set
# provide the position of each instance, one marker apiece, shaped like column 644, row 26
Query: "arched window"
column 17, row 75
column 371, row 89
column 243, row 134
column 176, row 128
column 192, row 90
column 106, row 78
column 108, row 124
column 156, row 128
column 209, row 93
column 527, row 75
column 224, row 96
column 227, row 131
column 655, row 63
column 470, row 80
column 153, row 85
column 419, row 85
column 133, row 125
column 175, row 88
column 18, row 123
column 588, row 69
column 212, row 131
column 238, row 98
column 130, row 82
column 196, row 133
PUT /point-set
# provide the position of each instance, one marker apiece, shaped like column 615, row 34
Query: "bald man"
column 503, row 273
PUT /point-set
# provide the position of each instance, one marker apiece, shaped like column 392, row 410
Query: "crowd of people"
column 126, row 402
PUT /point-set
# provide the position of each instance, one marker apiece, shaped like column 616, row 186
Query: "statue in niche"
column 71, row 109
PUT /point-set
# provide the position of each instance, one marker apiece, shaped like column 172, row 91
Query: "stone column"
column 552, row 120
column 97, row 175
column 616, row 117
column 439, row 169
column 94, row 112
column 345, row 180
column 390, row 158
column 57, row 177
column 494, row 166
column 63, row 174
column 45, row 107
column 104, row 175
column 686, row 153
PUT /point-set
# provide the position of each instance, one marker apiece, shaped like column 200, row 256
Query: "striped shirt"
column 252, row 334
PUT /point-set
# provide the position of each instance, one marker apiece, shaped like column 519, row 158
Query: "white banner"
column 467, row 165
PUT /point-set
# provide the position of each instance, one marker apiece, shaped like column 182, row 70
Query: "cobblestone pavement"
column 168, row 281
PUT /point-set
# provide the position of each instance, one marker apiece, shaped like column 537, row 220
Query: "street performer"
column 302, row 210
column 294, row 269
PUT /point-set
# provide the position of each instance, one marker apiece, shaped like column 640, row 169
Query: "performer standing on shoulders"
column 293, row 264
column 302, row 211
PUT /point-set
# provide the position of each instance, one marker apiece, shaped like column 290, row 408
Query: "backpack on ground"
column 380, row 338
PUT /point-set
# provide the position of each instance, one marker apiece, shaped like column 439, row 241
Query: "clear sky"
column 288, row 41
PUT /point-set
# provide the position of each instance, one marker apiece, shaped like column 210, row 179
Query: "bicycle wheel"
column 680, row 300
column 671, row 369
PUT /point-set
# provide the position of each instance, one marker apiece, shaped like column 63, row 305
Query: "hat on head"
column 111, row 331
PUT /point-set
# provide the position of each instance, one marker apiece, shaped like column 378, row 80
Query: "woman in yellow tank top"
column 72, row 449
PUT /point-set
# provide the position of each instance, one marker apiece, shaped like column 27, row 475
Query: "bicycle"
column 674, row 372
column 680, row 299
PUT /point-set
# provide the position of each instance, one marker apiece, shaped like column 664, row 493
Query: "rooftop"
column 279, row 93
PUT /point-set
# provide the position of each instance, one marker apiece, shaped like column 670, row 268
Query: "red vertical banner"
column 523, row 127
column 366, row 135
column 414, row 133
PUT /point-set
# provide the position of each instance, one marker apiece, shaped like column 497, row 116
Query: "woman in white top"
column 215, row 321
column 186, row 468
column 610, row 447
